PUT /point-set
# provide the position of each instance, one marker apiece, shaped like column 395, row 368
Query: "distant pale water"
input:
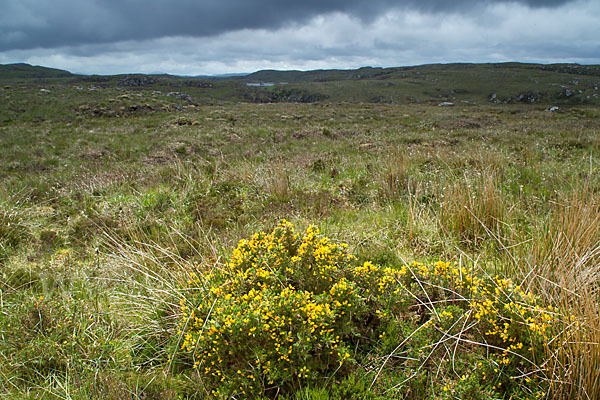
column 265, row 84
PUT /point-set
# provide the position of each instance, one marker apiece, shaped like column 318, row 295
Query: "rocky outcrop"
column 525, row 97
column 137, row 81
column 181, row 96
column 197, row 84
column 283, row 96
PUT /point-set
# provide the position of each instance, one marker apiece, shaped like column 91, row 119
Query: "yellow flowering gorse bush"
column 291, row 310
column 501, row 331
column 287, row 309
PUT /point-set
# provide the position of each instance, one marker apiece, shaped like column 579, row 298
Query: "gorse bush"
column 291, row 311
column 506, row 330
column 285, row 311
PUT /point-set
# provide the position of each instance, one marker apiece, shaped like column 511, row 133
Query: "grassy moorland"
column 390, row 248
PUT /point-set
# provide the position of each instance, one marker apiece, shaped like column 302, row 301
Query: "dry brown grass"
column 473, row 208
column 575, row 365
column 567, row 250
column 279, row 184
column 394, row 175
column 562, row 264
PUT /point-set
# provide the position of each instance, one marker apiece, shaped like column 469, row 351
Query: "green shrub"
column 290, row 312
column 287, row 311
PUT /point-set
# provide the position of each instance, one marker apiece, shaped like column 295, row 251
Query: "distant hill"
column 443, row 84
column 324, row 75
column 439, row 83
column 380, row 73
column 26, row 71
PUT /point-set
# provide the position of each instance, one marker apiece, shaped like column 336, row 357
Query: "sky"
column 205, row 37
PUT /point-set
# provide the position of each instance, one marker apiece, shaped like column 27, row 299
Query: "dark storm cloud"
column 27, row 24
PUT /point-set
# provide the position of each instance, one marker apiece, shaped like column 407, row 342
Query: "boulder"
column 181, row 96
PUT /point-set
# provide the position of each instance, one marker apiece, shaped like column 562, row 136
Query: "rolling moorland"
column 381, row 233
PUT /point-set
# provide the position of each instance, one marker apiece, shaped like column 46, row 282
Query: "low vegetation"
column 151, row 248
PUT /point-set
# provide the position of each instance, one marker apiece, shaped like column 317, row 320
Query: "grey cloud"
column 27, row 24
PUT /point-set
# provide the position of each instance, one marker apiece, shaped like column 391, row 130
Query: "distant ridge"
column 24, row 71
column 439, row 84
column 324, row 75
column 217, row 76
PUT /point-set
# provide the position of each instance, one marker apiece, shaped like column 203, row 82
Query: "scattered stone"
column 446, row 104
column 198, row 84
column 181, row 96
column 102, row 111
column 526, row 97
column 44, row 90
column 283, row 95
column 554, row 109
column 137, row 81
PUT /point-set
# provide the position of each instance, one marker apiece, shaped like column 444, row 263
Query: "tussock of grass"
column 279, row 185
column 567, row 252
column 563, row 265
column 395, row 174
column 12, row 230
column 472, row 208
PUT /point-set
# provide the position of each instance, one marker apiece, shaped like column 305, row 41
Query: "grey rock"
column 526, row 97
column 137, row 81
column 181, row 96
